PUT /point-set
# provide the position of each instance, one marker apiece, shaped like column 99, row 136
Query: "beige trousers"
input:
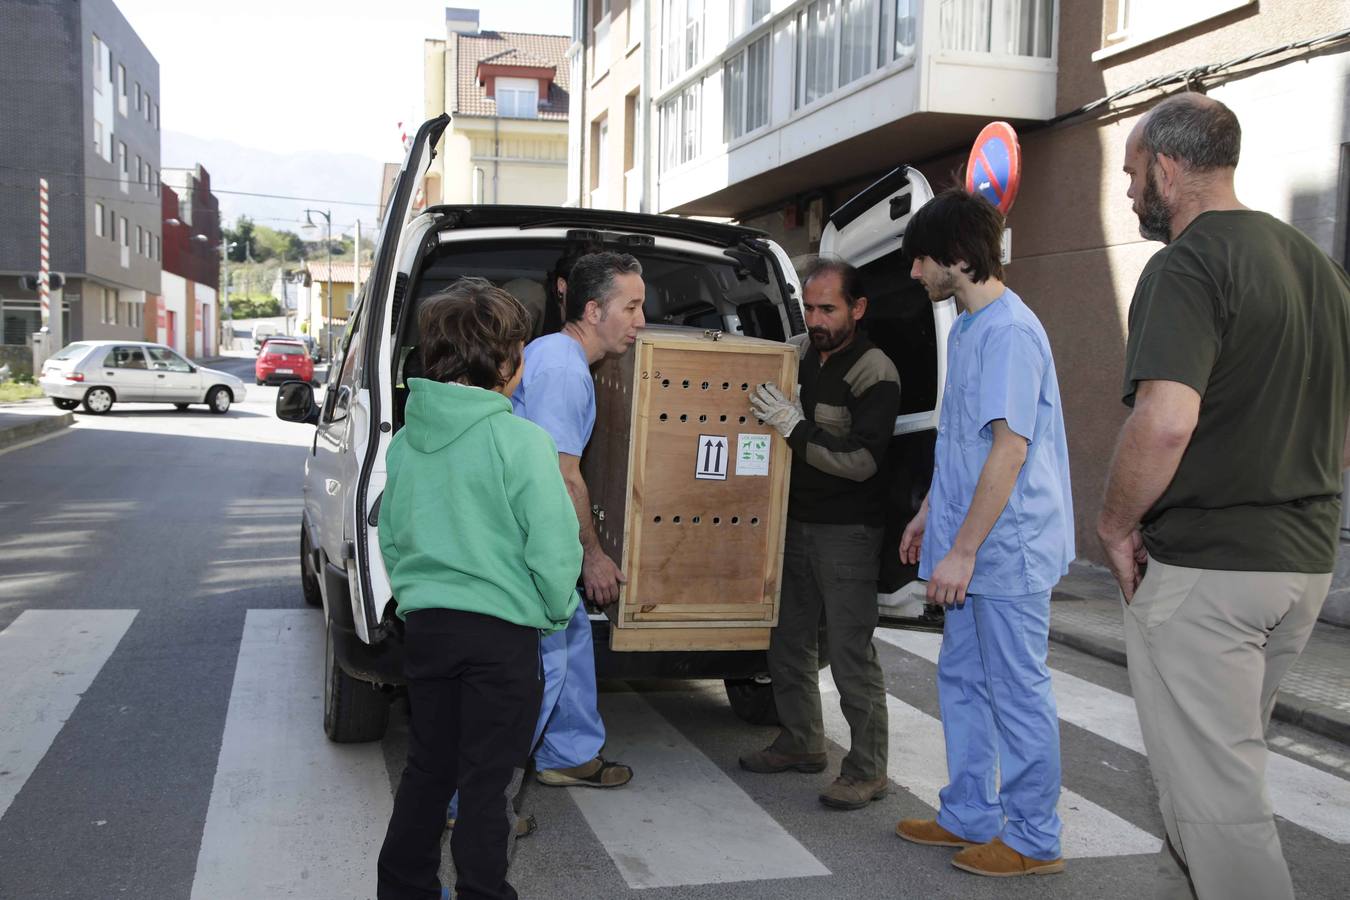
column 1207, row 650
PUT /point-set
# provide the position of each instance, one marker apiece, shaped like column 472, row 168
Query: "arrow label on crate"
column 711, row 457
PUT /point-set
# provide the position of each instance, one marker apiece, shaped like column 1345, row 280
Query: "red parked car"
column 283, row 360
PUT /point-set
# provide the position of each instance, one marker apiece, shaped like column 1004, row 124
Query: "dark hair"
column 471, row 332
column 592, row 278
column 1197, row 131
column 957, row 225
column 553, row 317
column 849, row 277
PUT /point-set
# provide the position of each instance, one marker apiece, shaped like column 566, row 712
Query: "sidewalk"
column 26, row 420
column 1315, row 695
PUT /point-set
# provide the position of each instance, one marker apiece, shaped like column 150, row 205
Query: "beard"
column 827, row 341
column 1155, row 218
column 944, row 287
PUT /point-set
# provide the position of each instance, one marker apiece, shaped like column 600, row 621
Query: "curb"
column 1318, row 718
column 39, row 426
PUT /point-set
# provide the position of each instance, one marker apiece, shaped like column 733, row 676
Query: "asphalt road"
column 160, row 731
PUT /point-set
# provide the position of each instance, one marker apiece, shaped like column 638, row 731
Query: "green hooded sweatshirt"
column 475, row 515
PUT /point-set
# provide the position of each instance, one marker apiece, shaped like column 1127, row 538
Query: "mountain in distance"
column 320, row 174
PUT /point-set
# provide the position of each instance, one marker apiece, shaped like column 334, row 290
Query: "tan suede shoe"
column 930, row 833
column 770, row 761
column 997, row 860
column 853, row 793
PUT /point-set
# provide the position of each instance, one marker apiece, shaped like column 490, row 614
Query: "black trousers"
column 474, row 689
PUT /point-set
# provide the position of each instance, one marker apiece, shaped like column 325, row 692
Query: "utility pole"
column 328, row 234
column 356, row 279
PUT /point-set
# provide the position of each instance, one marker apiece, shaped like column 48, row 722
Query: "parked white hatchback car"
column 98, row 374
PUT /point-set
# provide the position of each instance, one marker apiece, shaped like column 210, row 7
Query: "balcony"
column 823, row 91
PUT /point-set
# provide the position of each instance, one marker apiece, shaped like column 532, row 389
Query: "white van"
column 697, row 273
column 261, row 332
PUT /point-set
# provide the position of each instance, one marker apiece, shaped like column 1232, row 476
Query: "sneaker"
column 930, row 833
column 997, row 860
column 854, row 793
column 769, row 761
column 599, row 772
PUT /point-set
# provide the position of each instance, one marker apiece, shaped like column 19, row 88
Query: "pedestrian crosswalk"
column 292, row 815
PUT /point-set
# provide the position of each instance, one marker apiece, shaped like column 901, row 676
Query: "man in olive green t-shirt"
column 1222, row 508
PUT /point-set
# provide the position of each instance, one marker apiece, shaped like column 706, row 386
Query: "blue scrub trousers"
column 569, row 721
column 999, row 717
column 570, row 731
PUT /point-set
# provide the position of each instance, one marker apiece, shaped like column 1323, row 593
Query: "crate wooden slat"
column 703, row 557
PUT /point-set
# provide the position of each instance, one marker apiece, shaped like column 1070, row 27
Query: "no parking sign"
column 994, row 169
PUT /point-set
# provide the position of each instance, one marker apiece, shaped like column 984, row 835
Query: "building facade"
column 314, row 311
column 775, row 112
column 508, row 94
column 186, row 316
column 81, row 109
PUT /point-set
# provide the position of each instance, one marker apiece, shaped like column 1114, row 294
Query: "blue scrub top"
column 557, row 392
column 999, row 367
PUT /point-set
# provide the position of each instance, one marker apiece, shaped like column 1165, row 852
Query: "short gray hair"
column 1197, row 131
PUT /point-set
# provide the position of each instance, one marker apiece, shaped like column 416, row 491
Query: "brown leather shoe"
column 854, row 793
column 930, row 833
column 598, row 773
column 997, row 860
column 768, row 761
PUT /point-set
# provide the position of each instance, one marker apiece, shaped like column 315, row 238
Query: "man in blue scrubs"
column 603, row 305
column 993, row 536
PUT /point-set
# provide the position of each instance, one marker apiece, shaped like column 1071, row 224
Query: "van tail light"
column 74, row 376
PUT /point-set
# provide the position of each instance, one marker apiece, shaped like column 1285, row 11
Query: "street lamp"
column 309, row 228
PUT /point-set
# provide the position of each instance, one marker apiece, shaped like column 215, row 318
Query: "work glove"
column 773, row 407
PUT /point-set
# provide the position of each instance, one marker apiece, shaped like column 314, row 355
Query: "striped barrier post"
column 45, row 262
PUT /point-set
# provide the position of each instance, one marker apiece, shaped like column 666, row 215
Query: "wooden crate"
column 699, row 536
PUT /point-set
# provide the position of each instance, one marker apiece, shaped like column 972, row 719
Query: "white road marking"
column 682, row 820
column 1308, row 797
column 291, row 814
column 48, row 659
column 917, row 762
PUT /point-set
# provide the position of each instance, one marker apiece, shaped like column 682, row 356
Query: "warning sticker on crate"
column 752, row 454
column 713, row 456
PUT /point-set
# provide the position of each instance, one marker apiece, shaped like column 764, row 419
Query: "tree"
column 254, row 308
column 242, row 236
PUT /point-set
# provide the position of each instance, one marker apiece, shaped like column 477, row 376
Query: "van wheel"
column 752, row 700
column 98, row 400
column 354, row 711
column 309, row 579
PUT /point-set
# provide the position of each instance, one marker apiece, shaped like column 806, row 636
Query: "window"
column 156, row 255
column 1022, row 28
column 858, row 24
column 899, row 30
column 745, row 81
column 599, row 151
column 517, row 98
column 140, row 98
column 680, row 127
column 140, row 241
column 1131, row 22
column 98, row 137
column 100, row 55
column 745, row 14
column 123, row 236
column 682, row 30
column 157, row 117
column 108, row 304
column 140, row 169
column 816, row 25
column 98, row 219
column 125, row 357
column 122, row 157
column 165, row 360
column 147, row 107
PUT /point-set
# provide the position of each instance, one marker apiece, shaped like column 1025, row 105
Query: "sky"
column 294, row 75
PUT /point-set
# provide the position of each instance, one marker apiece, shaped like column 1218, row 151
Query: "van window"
column 702, row 291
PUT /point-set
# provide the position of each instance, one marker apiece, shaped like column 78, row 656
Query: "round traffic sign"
column 994, row 169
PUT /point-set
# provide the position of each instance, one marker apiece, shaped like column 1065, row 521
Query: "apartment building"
column 776, row 112
column 81, row 109
column 186, row 315
column 509, row 95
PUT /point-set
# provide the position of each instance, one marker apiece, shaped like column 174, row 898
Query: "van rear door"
column 868, row 231
column 364, row 388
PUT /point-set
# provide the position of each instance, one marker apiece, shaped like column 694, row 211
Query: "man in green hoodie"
column 481, row 544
